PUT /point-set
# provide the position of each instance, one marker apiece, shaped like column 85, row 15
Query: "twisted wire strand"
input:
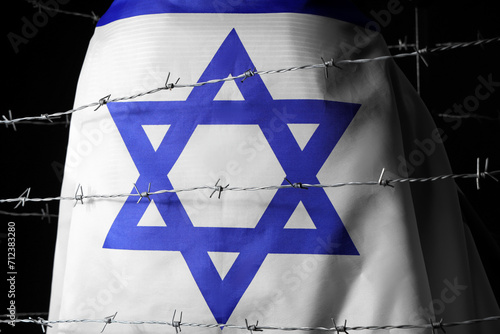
column 40, row 5
column 256, row 327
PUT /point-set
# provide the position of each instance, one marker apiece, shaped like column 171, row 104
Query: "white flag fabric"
column 217, row 217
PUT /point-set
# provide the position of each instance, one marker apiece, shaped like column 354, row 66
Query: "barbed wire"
column 420, row 52
column 80, row 197
column 243, row 76
column 38, row 4
column 178, row 324
column 403, row 44
column 44, row 214
column 472, row 116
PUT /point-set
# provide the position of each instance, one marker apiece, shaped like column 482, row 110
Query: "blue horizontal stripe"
column 339, row 9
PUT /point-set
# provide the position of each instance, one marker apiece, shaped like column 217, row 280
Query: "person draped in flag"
column 232, row 215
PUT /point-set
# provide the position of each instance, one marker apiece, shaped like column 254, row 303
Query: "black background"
column 41, row 76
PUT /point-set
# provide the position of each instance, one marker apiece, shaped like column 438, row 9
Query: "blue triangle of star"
column 269, row 236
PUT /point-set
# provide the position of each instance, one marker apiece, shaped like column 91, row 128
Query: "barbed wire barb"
column 23, row 197
column 170, row 86
column 218, row 188
column 78, row 195
column 340, row 329
column 438, row 325
column 253, row 328
column 40, row 321
column 143, row 194
column 9, row 121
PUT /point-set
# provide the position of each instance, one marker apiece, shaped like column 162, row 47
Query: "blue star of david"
column 269, row 236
